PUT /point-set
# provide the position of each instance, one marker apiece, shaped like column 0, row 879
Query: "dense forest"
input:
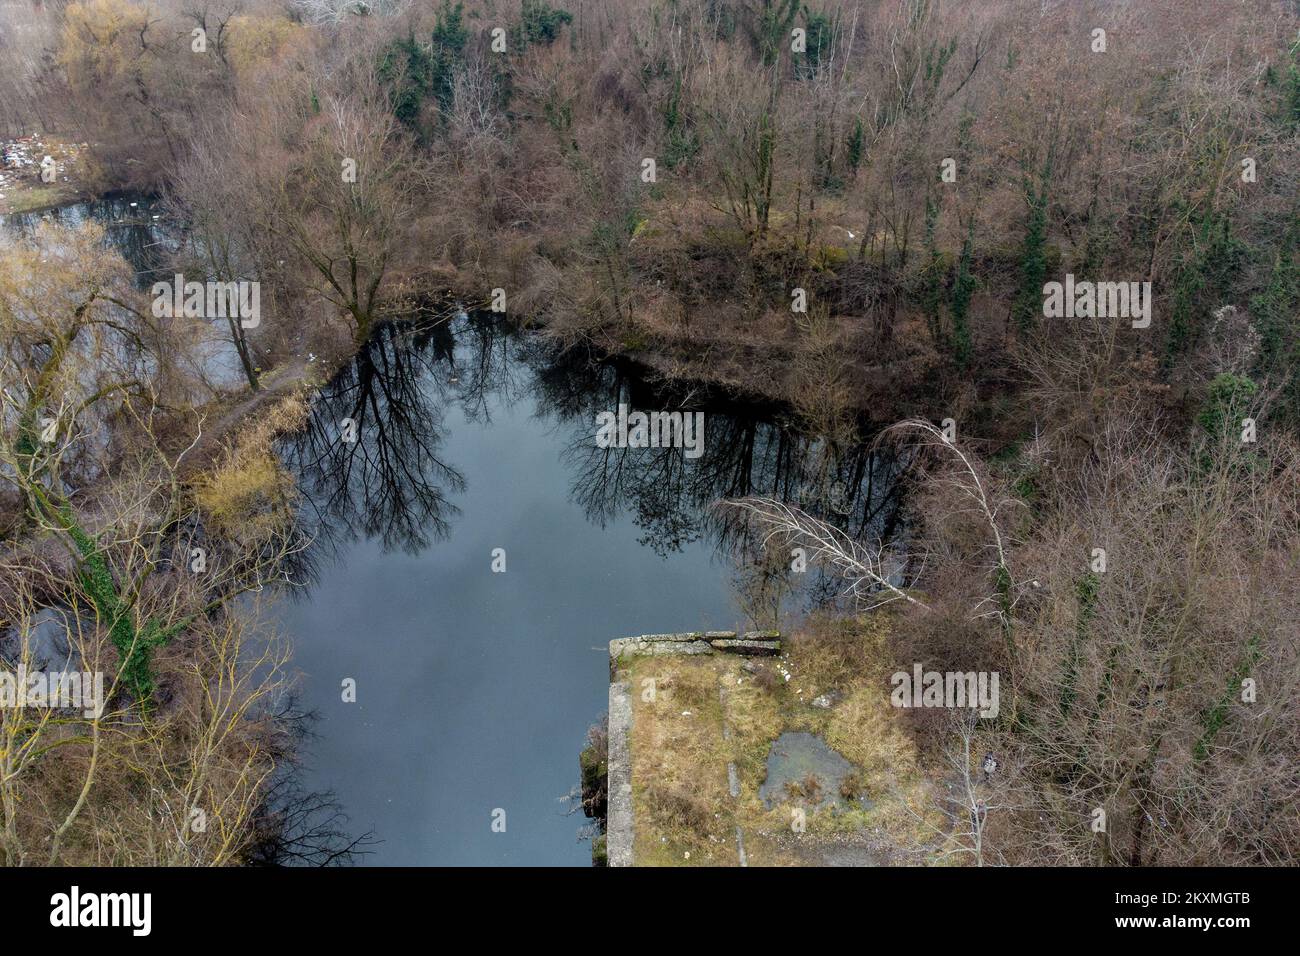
column 851, row 208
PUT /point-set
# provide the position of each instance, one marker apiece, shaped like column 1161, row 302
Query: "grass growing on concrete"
column 679, row 771
column 681, row 800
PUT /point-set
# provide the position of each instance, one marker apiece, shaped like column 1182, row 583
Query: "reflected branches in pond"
column 488, row 360
column 367, row 461
column 296, row 826
column 669, row 493
column 390, row 482
column 134, row 225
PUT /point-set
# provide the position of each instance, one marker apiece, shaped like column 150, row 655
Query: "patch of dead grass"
column 679, row 765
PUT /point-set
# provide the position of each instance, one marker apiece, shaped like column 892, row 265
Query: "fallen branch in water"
column 864, row 568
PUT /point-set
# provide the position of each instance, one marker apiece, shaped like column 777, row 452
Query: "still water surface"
column 475, row 688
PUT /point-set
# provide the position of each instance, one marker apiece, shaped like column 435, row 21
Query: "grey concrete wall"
column 618, row 821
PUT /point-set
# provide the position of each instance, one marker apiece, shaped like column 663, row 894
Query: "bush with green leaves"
column 1228, row 398
column 416, row 71
column 540, row 23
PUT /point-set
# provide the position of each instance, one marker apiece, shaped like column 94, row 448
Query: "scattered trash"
column 32, row 162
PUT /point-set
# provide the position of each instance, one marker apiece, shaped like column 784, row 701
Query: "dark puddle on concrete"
column 802, row 769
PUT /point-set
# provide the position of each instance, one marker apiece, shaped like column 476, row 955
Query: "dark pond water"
column 474, row 689
column 137, row 226
column 134, row 225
